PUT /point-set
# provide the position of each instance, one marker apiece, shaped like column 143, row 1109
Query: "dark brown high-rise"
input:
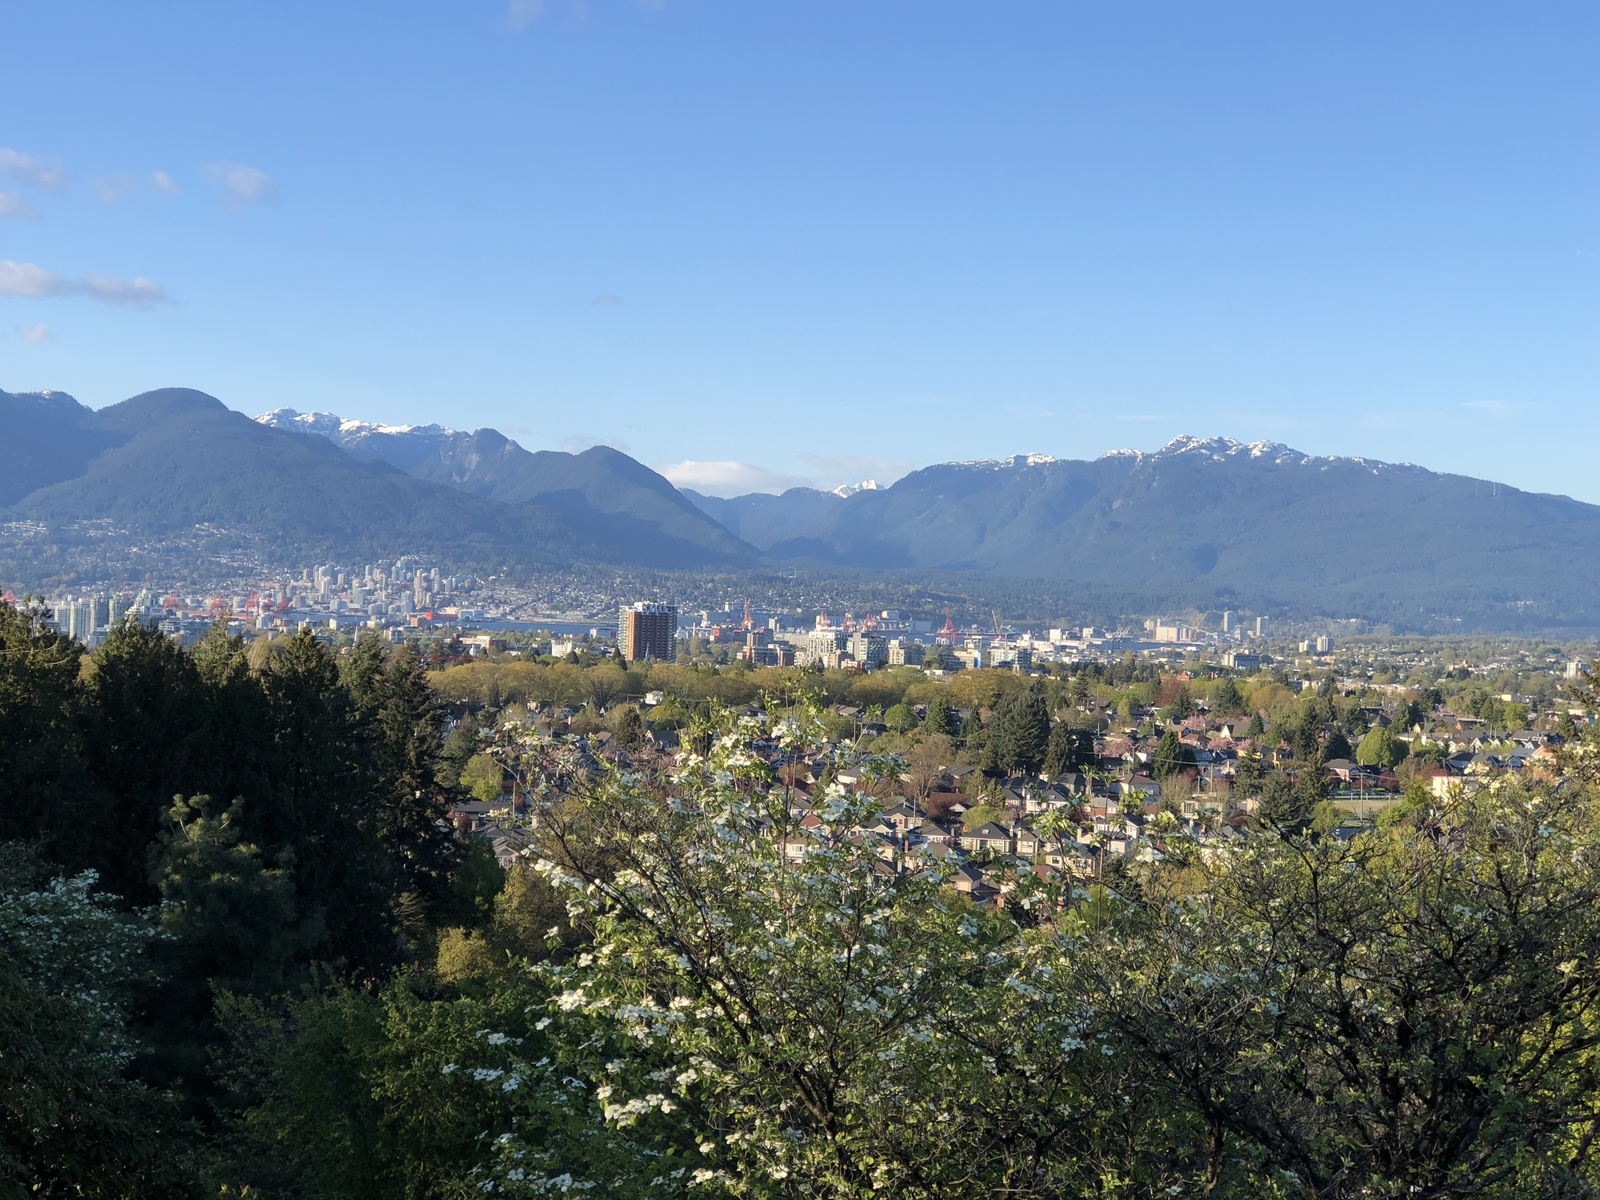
column 648, row 630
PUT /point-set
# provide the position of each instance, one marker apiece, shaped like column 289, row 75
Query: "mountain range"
column 162, row 464
column 1209, row 522
column 1259, row 524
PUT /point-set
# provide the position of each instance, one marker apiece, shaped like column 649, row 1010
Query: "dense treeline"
column 258, row 818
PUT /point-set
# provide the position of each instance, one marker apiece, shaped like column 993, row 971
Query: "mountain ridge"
column 618, row 500
column 1209, row 521
column 174, row 464
column 1257, row 524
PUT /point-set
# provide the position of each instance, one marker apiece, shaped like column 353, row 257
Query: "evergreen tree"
column 146, row 727
column 406, row 732
column 1247, row 775
column 1171, row 756
column 321, row 809
column 1021, row 735
column 1406, row 715
column 1069, row 749
column 232, row 923
column 972, row 725
column 630, row 727
column 1226, row 697
column 941, row 717
column 42, row 746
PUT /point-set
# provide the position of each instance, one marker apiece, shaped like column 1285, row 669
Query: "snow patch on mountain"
column 346, row 433
column 1221, row 449
column 847, row 490
column 1000, row 464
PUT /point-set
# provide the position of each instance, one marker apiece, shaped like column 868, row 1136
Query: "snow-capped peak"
column 1221, row 447
column 850, row 489
column 1016, row 460
column 344, row 432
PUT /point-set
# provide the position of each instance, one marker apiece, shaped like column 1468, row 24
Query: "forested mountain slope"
column 1260, row 523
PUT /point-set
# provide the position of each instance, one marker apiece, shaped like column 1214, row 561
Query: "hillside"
column 172, row 469
column 45, row 437
column 618, row 502
column 1215, row 521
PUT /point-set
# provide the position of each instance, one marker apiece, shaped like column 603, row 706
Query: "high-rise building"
column 648, row 630
column 1263, row 625
column 870, row 650
column 903, row 653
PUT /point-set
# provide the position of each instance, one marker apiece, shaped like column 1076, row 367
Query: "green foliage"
column 396, row 709
column 42, row 749
column 71, row 1122
column 528, row 923
column 900, row 718
column 1226, row 698
column 311, row 836
column 1021, row 733
column 362, row 1095
column 981, row 814
column 693, row 994
column 629, row 731
column 1068, row 750
column 1337, row 746
column 1380, row 748
column 1171, row 756
column 484, row 777
column 1407, row 714
column 1408, row 1014
column 941, row 717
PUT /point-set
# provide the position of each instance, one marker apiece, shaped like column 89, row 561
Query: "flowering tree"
column 776, row 1005
column 71, row 1124
column 784, row 1010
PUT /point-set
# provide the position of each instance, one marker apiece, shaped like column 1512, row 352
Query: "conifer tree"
column 1021, row 734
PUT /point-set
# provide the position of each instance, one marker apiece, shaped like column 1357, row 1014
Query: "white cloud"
column 1494, row 408
column 241, row 186
column 607, row 298
column 730, row 478
column 31, row 280
column 35, row 333
column 32, row 170
column 14, row 206
column 522, row 13
column 137, row 292
column 113, row 189
column 26, row 279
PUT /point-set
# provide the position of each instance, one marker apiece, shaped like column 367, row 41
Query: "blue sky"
column 758, row 242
